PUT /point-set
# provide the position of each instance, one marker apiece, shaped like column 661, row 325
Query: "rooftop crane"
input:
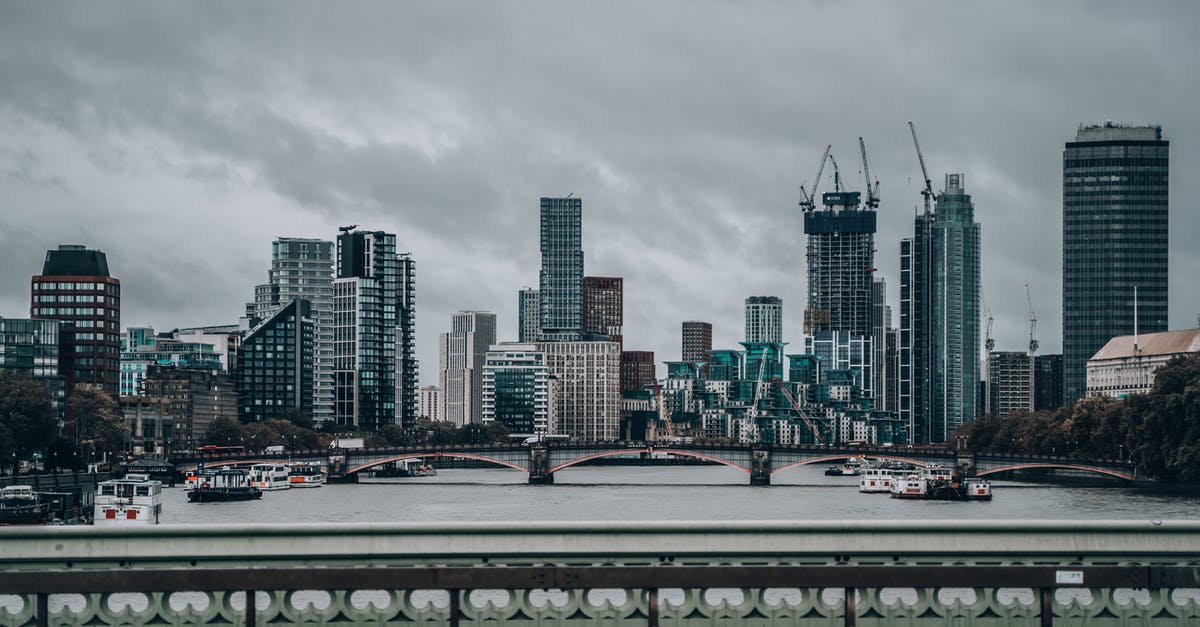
column 989, row 343
column 808, row 201
column 1033, row 343
column 837, row 175
column 791, row 399
column 926, row 193
column 872, row 189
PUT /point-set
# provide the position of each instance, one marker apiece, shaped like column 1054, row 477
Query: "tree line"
column 29, row 426
column 1158, row 432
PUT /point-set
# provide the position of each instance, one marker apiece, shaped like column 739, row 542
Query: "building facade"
column 841, row 265
column 276, row 366
column 529, row 315
column 430, row 403
column 603, row 308
column 137, row 360
column 590, row 392
column 1010, row 382
column 764, row 319
column 194, row 399
column 519, row 390
column 462, row 354
column 1127, row 364
column 561, row 278
column 1047, row 382
column 637, row 370
column 696, row 343
column 1115, row 218
column 30, row 347
column 76, row 289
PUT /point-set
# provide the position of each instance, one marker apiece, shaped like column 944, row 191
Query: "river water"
column 616, row 493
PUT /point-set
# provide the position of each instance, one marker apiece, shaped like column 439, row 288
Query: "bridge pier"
column 539, row 464
column 760, row 467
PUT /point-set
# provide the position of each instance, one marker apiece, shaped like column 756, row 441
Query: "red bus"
column 211, row 449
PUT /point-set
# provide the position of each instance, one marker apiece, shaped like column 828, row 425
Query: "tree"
column 28, row 422
column 98, row 420
column 224, row 431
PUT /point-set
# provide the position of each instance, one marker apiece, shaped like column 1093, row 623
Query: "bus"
column 213, row 449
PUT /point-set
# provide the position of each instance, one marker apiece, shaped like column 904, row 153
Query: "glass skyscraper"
column 561, row 278
column 1114, row 241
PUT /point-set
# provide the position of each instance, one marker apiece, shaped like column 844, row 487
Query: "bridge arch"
column 1128, row 476
column 649, row 449
column 438, row 454
column 839, row 458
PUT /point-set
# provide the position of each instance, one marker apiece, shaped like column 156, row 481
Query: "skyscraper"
column 276, row 365
column 939, row 317
column 1114, row 241
column 462, row 354
column 303, row 268
column 603, row 308
column 561, row 278
column 76, row 289
column 841, row 263
column 637, row 370
column 764, row 319
column 529, row 315
column 374, row 312
column 1047, row 382
column 1010, row 382
column 696, row 343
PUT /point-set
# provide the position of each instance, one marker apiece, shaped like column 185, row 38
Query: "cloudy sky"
column 182, row 138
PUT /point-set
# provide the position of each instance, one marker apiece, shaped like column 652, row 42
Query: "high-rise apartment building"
column 841, row 263
column 529, row 315
column 429, row 404
column 76, row 289
column 590, row 387
column 696, row 343
column 1010, row 382
column 939, row 317
column 462, row 352
column 1115, row 214
column 881, row 321
column 603, row 308
column 1047, row 382
column 561, row 278
column 764, row 319
column 519, row 389
column 374, row 366
column 637, row 370
column 303, row 268
column 276, row 365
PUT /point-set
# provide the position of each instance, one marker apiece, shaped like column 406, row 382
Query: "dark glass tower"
column 1114, row 241
column 277, row 365
column 841, row 263
column 561, row 278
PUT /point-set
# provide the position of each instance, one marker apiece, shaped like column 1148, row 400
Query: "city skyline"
column 690, row 195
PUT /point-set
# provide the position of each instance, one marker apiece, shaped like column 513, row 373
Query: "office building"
column 529, row 315
column 1127, row 364
column 637, row 370
column 881, row 321
column 194, row 398
column 764, row 319
column 429, row 404
column 303, row 268
column 696, row 343
column 225, row 338
column 141, row 353
column 461, row 355
column 939, row 317
column 603, row 308
column 76, row 289
column 1047, row 382
column 561, row 278
column 276, row 366
column 374, row 313
column 590, row 387
column 30, row 347
column 1115, row 214
column 1010, row 382
column 519, row 389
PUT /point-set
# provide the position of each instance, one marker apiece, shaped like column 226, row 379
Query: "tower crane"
column 988, row 342
column 762, row 363
column 1033, row 343
column 872, row 188
column 808, row 201
column 664, row 417
column 926, row 193
column 791, row 399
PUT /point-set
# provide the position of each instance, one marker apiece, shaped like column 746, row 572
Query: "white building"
column 429, row 401
column 519, row 391
column 461, row 356
column 764, row 319
column 1127, row 363
column 589, row 374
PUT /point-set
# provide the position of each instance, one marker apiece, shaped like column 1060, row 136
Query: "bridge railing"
column 918, row 573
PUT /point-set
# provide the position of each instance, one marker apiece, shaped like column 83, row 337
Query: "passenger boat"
column 134, row 500
column 271, row 476
column 306, row 475
column 910, row 486
column 226, row 484
column 932, row 487
column 20, row 505
column 875, row 479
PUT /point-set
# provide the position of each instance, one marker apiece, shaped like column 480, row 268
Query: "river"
column 616, row 493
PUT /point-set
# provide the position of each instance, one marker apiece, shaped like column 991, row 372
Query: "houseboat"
column 226, row 484
column 134, row 500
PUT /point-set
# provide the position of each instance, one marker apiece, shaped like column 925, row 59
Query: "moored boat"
column 875, row 479
column 136, row 499
column 307, row 475
column 20, row 505
column 226, row 484
column 268, row 477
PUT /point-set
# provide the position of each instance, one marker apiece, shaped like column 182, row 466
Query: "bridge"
column 541, row 460
column 913, row 573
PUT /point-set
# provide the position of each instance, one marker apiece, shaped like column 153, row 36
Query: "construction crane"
column 872, row 188
column 762, row 363
column 1033, row 343
column 926, row 193
column 791, row 399
column 664, row 417
column 988, row 342
column 808, row 201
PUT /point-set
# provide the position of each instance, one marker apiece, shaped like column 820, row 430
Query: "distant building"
column 1010, row 382
column 136, row 361
column 764, row 319
column 603, row 308
column 1115, row 216
column 75, row 288
column 1047, row 382
column 1126, row 365
column 637, row 370
column 194, row 398
column 590, row 392
column 561, row 279
column 519, row 389
column 696, row 342
column 31, row 347
column 226, row 340
column 529, row 315
column 461, row 355
column 725, row 365
column 276, row 365
column 151, row 425
column 430, row 403
column 841, row 264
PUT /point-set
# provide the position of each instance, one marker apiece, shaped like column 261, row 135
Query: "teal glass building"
column 561, row 278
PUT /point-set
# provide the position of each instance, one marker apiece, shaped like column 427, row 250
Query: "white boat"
column 978, row 489
column 910, row 486
column 134, row 500
column 267, row 477
column 875, row 480
column 307, row 475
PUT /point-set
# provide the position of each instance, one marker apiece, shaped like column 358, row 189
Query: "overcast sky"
column 182, row 138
